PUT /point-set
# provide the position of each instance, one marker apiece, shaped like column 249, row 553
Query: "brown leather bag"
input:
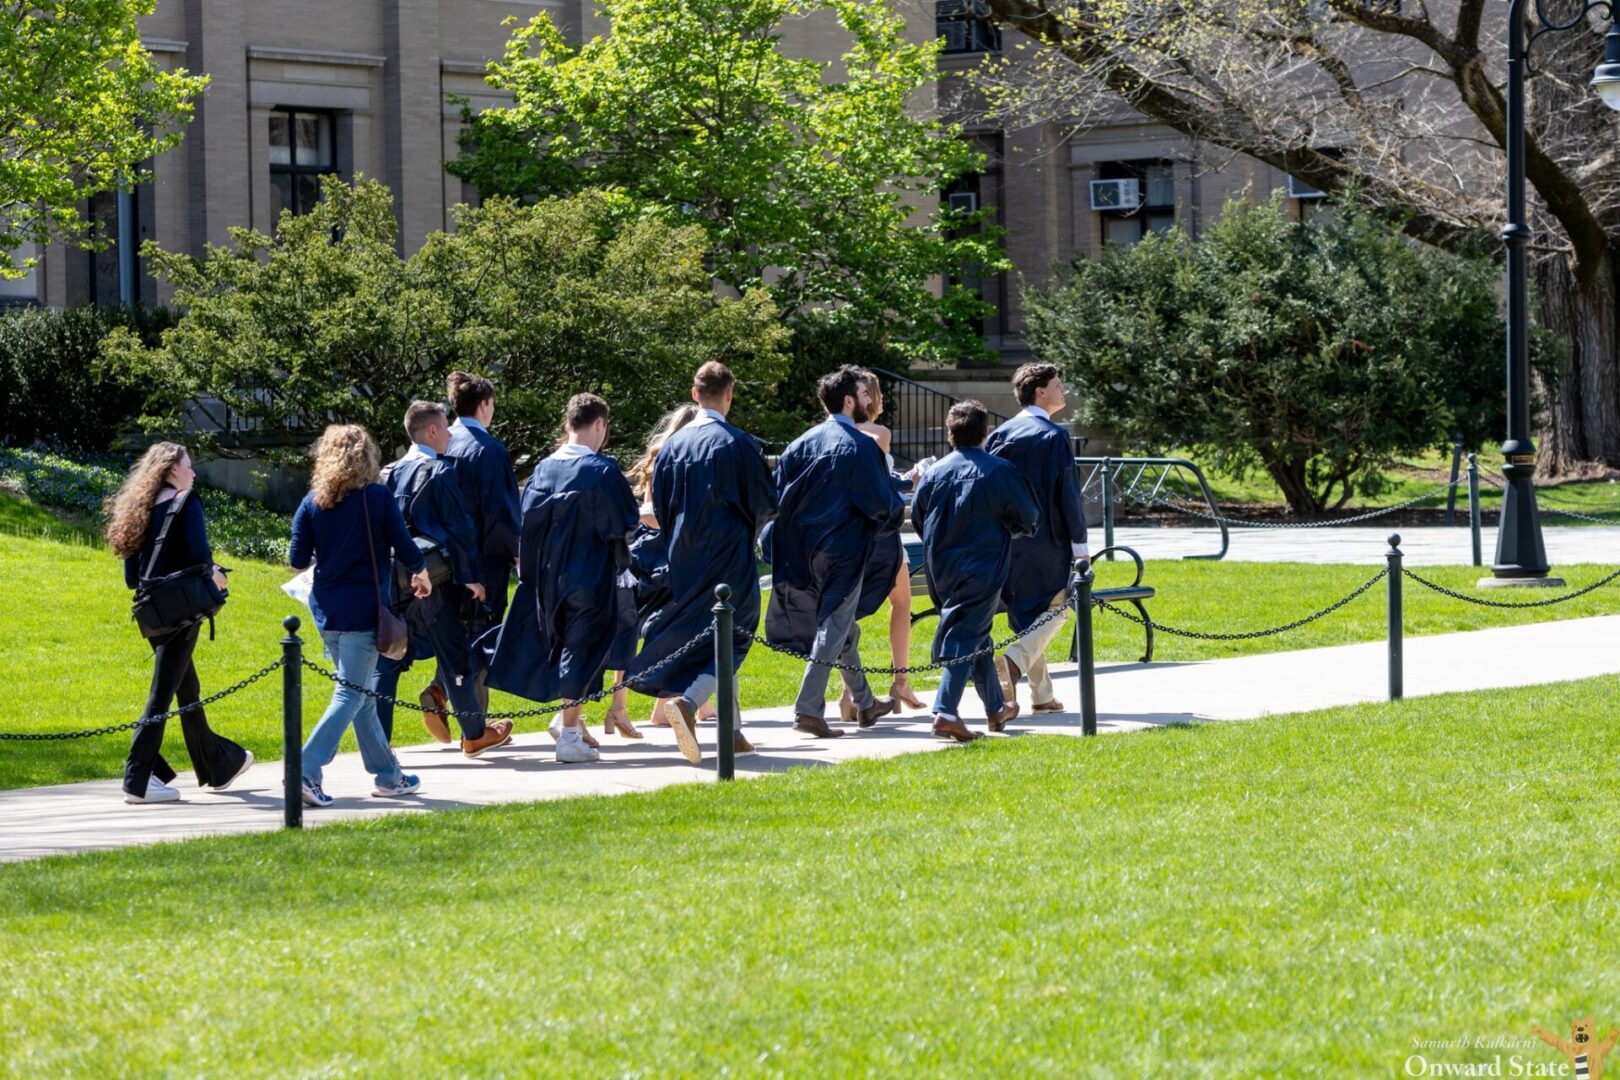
column 393, row 636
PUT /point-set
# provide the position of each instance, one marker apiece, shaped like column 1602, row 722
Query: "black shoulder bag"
column 179, row 600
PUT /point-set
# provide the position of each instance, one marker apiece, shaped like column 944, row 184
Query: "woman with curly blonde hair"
column 157, row 487
column 351, row 529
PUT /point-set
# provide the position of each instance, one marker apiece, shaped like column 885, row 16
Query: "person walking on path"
column 1043, row 454
column 349, row 527
column 427, row 492
column 575, row 612
column 157, row 488
column 711, row 493
column 837, row 505
column 969, row 506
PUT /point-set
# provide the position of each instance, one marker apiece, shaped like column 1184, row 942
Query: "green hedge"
column 52, row 388
column 79, row 485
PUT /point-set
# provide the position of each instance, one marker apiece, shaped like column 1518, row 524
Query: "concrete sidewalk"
column 1426, row 545
column 81, row 817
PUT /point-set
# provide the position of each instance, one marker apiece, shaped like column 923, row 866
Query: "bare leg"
column 900, row 637
column 617, row 719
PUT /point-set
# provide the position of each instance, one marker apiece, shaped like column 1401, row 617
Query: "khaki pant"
column 1029, row 653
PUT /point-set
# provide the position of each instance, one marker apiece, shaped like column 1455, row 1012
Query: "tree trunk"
column 1290, row 479
column 1585, row 416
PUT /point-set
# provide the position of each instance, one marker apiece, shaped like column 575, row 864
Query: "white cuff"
column 625, row 580
column 1080, row 551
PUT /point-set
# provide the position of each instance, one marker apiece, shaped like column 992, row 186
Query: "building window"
column 1155, row 208
column 301, row 152
column 25, row 289
column 965, row 26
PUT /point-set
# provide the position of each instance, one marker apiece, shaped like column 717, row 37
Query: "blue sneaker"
column 405, row 785
column 314, row 796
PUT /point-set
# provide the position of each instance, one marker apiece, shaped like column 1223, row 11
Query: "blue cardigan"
column 345, row 597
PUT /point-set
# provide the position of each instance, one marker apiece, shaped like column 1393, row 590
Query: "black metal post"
column 1393, row 580
column 1520, row 551
column 1108, row 507
column 726, row 685
column 1473, row 507
column 1451, row 491
column 1085, row 647
column 292, row 725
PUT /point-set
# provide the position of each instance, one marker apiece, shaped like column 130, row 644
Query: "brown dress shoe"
column 496, row 733
column 1000, row 720
column 740, row 745
column 879, row 708
column 815, row 725
column 682, row 718
column 1049, row 706
column 436, row 713
column 954, row 729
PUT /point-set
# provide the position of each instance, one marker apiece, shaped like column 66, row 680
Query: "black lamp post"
column 1520, row 554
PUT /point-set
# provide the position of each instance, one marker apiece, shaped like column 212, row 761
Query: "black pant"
column 174, row 680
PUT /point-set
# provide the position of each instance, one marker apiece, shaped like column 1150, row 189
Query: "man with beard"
column 711, row 492
column 967, row 510
column 574, row 615
column 1043, row 454
column 837, row 500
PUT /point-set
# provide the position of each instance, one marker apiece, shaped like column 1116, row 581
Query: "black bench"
column 1134, row 593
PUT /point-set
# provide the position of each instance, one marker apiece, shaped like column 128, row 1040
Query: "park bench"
column 1135, row 593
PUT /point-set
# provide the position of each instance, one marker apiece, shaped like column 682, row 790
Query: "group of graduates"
column 607, row 562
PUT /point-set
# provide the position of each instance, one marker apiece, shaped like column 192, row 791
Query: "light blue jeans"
column 355, row 653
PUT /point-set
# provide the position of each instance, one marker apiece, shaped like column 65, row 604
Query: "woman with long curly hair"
column 350, row 527
column 135, row 515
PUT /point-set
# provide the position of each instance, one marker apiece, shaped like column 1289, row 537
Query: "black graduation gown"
column 837, row 505
column 711, row 493
column 967, row 509
column 570, row 620
column 1043, row 454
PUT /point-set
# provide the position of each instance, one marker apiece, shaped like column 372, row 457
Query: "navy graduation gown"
column 1043, row 454
column 570, row 620
column 967, row 509
column 711, row 492
column 887, row 556
column 490, row 488
column 435, row 508
column 837, row 503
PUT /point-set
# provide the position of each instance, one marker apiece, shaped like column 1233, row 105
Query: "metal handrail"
column 1093, row 469
column 916, row 415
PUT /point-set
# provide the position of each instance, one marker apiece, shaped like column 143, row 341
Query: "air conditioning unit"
column 1299, row 189
column 1116, row 194
column 963, row 202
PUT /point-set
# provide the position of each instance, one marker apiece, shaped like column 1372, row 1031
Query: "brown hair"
column 129, row 509
column 583, row 411
column 1030, row 378
column 467, row 391
column 967, row 424
column 668, row 424
column 712, row 381
column 346, row 459
column 833, row 388
column 420, row 415
column 874, row 388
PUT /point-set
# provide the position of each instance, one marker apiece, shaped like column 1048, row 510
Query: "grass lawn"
column 74, row 660
column 1299, row 896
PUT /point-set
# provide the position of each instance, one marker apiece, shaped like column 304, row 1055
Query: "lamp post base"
column 1521, row 556
column 1543, row 582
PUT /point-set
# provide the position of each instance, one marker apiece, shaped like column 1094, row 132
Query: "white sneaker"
column 156, row 791
column 314, row 796
column 555, row 728
column 247, row 763
column 573, row 750
column 405, row 785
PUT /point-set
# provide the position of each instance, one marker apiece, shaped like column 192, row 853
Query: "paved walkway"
column 1131, row 697
column 1426, row 545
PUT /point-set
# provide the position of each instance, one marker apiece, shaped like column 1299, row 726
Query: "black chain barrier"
column 1154, row 500
column 1057, row 612
column 1482, row 602
column 519, row 714
column 111, row 729
column 1247, row 635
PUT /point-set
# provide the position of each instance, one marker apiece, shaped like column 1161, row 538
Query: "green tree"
column 818, row 181
column 81, row 106
column 325, row 322
column 1316, row 351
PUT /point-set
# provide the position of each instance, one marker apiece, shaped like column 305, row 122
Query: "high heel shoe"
column 617, row 722
column 900, row 690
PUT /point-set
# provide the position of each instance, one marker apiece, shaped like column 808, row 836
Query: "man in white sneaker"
column 574, row 615
column 1043, row 454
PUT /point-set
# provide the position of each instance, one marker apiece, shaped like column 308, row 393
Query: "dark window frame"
column 1147, row 215
column 965, row 27
column 293, row 167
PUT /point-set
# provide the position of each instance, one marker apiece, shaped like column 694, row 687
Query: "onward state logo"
column 1585, row 1057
